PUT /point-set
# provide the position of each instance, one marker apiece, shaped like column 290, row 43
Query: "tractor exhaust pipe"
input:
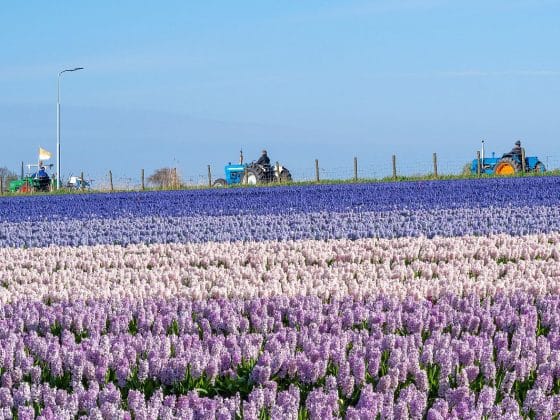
column 482, row 159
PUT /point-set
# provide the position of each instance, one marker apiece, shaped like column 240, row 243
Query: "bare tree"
column 165, row 178
column 7, row 176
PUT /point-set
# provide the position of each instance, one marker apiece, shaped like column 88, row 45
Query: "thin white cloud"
column 350, row 10
column 514, row 73
column 466, row 74
column 363, row 8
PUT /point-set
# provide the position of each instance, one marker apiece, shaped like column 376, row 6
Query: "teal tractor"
column 253, row 174
column 508, row 164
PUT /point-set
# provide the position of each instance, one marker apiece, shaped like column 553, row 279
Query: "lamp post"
column 58, row 125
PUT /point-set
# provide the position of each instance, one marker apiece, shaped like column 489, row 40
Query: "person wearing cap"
column 517, row 149
column 264, row 159
column 41, row 173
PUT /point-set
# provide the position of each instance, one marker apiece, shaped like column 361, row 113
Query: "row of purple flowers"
column 462, row 357
column 295, row 226
column 383, row 196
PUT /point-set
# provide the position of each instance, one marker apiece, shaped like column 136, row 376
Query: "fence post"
column 82, row 181
column 209, row 177
column 435, row 165
column 523, row 165
column 1, row 185
column 478, row 163
column 355, row 168
column 394, row 167
column 317, row 170
column 111, row 180
column 21, row 177
column 142, row 179
column 278, row 172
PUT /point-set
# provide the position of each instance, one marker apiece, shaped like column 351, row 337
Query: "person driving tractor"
column 516, row 149
column 264, row 159
column 42, row 173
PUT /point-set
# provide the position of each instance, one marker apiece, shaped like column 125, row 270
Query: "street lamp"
column 58, row 125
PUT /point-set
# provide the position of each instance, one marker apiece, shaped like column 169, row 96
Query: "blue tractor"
column 508, row 164
column 253, row 174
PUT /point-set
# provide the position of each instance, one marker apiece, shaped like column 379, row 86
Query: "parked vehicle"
column 77, row 183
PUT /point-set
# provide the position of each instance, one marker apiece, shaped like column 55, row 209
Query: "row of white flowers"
column 419, row 267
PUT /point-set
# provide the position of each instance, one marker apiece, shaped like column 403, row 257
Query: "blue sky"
column 187, row 84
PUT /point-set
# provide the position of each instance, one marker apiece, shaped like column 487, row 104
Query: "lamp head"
column 73, row 69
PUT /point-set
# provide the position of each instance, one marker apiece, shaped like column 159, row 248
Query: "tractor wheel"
column 42, row 185
column 285, row 175
column 507, row 166
column 255, row 175
column 251, row 177
column 539, row 168
column 220, row 182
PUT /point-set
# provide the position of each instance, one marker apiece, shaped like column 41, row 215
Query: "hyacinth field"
column 433, row 299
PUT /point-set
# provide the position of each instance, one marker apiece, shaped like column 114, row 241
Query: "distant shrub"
column 165, row 178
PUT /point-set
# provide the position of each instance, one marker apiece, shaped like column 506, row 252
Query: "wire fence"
column 355, row 169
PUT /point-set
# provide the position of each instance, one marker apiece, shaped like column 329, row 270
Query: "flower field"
column 393, row 300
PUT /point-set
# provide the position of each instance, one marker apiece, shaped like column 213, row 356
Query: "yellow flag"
column 43, row 154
